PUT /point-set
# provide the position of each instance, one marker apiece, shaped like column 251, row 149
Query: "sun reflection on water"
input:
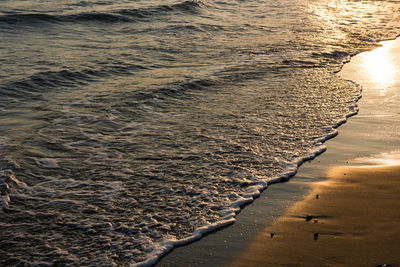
column 380, row 66
column 384, row 159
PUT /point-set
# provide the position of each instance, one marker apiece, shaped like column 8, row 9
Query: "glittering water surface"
column 129, row 125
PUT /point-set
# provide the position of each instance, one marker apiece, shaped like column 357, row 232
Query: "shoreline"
column 220, row 247
column 352, row 219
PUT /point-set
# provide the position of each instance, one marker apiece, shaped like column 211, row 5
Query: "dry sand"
column 354, row 221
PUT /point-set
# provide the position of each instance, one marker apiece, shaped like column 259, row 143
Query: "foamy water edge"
column 254, row 191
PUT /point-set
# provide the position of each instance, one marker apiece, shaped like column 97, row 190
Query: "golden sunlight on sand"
column 380, row 66
column 352, row 219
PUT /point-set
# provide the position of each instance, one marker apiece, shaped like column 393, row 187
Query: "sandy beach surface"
column 355, row 219
column 352, row 219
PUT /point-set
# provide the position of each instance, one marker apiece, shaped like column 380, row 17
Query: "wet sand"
column 352, row 219
column 355, row 220
column 372, row 137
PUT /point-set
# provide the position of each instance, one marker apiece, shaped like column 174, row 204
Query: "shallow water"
column 127, row 126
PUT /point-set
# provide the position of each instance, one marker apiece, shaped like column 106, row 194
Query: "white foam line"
column 167, row 246
column 253, row 193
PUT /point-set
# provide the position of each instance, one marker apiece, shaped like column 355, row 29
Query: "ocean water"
column 128, row 127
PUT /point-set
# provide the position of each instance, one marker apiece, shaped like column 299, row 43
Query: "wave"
column 8, row 184
column 190, row 7
column 122, row 15
column 39, row 82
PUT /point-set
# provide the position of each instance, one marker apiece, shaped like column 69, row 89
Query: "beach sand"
column 354, row 221
column 358, row 213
